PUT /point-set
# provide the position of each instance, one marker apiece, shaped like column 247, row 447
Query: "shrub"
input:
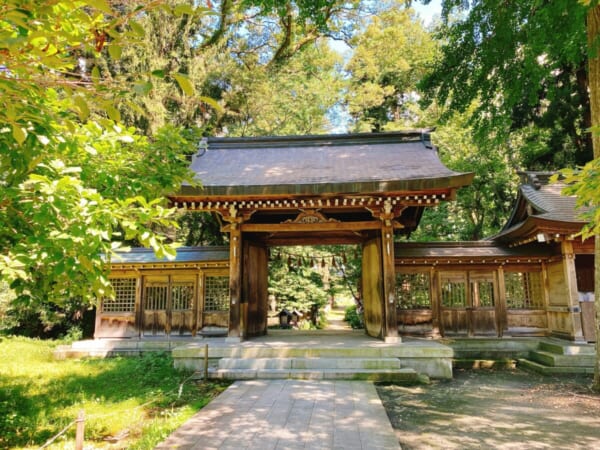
column 354, row 318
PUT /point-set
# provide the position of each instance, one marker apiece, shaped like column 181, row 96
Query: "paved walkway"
column 289, row 414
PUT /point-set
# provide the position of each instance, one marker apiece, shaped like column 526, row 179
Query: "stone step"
column 246, row 352
column 400, row 375
column 533, row 366
column 567, row 348
column 561, row 360
column 310, row 363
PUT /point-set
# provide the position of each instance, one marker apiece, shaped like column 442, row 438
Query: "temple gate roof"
column 322, row 164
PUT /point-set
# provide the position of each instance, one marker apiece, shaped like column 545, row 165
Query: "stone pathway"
column 289, row 414
column 335, row 320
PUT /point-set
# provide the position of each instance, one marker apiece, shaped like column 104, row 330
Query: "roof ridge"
column 319, row 139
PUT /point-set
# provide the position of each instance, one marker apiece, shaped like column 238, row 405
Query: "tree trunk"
column 593, row 35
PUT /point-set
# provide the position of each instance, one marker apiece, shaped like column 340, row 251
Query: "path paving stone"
column 287, row 415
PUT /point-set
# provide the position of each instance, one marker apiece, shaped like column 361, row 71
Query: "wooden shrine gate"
column 333, row 189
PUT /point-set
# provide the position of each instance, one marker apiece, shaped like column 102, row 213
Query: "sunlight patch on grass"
column 137, row 398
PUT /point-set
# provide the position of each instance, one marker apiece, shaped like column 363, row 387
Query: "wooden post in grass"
column 79, row 431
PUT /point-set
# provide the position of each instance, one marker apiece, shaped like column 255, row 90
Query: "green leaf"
column 18, row 133
column 212, row 103
column 205, row 11
column 101, row 5
column 113, row 113
column 142, row 87
column 95, row 74
column 158, row 73
column 82, row 106
column 137, row 28
column 115, row 51
column 182, row 9
column 166, row 8
column 10, row 112
column 184, row 83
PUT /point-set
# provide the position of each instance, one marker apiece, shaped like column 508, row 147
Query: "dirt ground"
column 503, row 409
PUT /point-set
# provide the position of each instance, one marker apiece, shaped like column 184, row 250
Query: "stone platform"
column 317, row 355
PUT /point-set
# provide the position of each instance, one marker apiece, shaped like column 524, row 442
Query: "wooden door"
column 468, row 302
column 255, row 274
column 372, row 287
column 484, row 295
column 454, row 302
column 155, row 299
column 214, row 304
column 182, row 311
column 169, row 303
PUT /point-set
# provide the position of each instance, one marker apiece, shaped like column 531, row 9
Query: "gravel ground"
column 495, row 410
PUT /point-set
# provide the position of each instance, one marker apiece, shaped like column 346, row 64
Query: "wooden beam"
column 308, row 227
column 314, row 240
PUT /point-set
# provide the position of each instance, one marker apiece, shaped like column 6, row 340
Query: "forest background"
column 103, row 103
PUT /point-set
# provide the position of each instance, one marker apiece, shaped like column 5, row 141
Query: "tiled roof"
column 475, row 250
column 383, row 162
column 184, row 255
column 540, row 207
column 549, row 203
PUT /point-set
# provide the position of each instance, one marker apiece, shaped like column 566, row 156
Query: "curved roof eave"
column 537, row 224
column 359, row 187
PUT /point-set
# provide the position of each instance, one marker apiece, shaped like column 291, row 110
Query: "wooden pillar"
column 469, row 292
column 436, row 309
column 501, row 310
column 390, row 322
column 235, row 332
column 372, row 288
column 572, row 293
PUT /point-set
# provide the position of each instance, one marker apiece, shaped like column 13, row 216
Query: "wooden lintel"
column 315, row 240
column 307, row 227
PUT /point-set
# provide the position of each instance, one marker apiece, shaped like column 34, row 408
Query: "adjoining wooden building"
column 535, row 278
column 361, row 189
column 157, row 297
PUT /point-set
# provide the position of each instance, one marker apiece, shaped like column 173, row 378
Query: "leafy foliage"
column 527, row 81
column 390, row 56
column 297, row 286
column 303, row 277
column 481, row 209
column 74, row 180
column 354, row 317
column 255, row 68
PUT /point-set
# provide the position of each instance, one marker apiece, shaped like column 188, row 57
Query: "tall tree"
column 389, row 58
column 529, row 85
column 593, row 37
column 586, row 182
column 256, row 67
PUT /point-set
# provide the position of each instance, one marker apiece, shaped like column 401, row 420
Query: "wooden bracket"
column 388, row 213
column 234, row 218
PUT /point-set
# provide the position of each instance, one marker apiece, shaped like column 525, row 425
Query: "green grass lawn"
column 141, row 397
